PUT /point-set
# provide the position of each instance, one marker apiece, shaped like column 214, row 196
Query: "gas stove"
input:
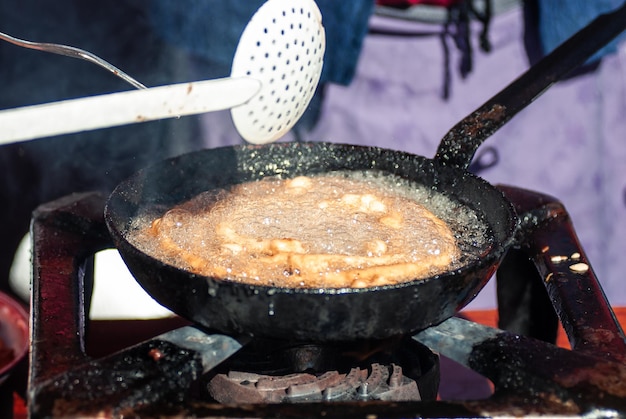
column 190, row 371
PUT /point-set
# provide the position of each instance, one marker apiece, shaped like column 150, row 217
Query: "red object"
column 19, row 407
column 403, row 4
column 14, row 334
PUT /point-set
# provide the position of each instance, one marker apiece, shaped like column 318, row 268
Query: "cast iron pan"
column 340, row 314
column 297, row 313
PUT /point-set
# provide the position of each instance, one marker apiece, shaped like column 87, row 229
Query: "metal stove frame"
column 530, row 376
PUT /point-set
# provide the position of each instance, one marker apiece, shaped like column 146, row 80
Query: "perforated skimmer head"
column 283, row 47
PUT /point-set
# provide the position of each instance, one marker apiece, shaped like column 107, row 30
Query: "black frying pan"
column 292, row 312
column 340, row 314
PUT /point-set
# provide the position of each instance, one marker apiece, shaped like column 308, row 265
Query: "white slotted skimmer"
column 287, row 57
column 275, row 72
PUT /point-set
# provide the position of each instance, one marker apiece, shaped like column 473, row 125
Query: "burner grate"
column 378, row 382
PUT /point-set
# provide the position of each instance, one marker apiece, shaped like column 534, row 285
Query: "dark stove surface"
column 167, row 375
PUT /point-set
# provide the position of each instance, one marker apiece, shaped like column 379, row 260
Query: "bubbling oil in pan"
column 337, row 230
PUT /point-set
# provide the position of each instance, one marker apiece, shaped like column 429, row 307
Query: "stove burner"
column 378, row 382
column 267, row 371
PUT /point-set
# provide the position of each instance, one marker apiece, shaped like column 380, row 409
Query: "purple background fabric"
column 568, row 143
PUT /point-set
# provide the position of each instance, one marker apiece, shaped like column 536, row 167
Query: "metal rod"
column 73, row 52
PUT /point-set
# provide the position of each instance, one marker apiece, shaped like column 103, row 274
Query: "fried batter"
column 318, row 232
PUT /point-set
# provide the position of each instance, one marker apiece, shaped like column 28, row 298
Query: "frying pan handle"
column 458, row 146
column 548, row 238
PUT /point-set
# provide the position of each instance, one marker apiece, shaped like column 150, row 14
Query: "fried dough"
column 317, row 232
